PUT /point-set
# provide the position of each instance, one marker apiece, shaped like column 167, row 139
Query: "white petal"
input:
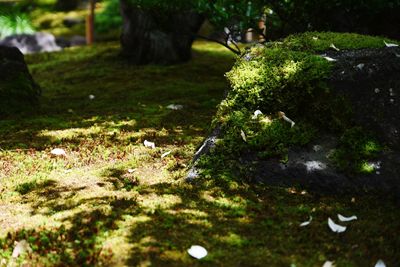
column 226, row 30
column 292, row 123
column 197, row 252
column 346, row 219
column 330, row 59
column 91, row 97
column 243, row 135
column 256, row 114
column 334, row 47
column 380, row 263
column 149, row 144
column 175, row 107
column 315, row 38
column 58, row 152
column 131, row 170
column 20, row 248
column 165, row 154
column 329, row 264
column 360, row 66
column 390, row 45
column 335, row 227
column 306, row 222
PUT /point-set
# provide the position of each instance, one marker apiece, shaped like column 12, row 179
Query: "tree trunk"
column 151, row 37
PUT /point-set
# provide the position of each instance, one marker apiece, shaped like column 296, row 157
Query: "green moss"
column 355, row 150
column 270, row 138
column 322, row 41
column 18, row 94
column 276, row 79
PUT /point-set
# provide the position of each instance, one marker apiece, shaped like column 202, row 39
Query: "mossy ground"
column 88, row 209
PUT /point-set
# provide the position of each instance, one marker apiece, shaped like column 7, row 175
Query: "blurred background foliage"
column 374, row 17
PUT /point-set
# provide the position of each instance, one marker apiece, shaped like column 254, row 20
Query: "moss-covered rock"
column 18, row 91
column 328, row 84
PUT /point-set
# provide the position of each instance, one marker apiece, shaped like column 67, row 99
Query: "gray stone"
column 32, row 43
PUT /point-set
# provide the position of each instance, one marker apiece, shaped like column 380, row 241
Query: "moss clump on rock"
column 18, row 91
column 292, row 77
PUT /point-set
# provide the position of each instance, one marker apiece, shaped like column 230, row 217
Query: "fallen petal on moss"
column 336, row 227
column 346, row 219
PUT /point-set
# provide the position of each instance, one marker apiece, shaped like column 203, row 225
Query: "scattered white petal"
column 317, row 148
column 58, row 152
column 67, row 171
column 334, row 47
column 283, row 116
column 149, row 144
column 175, row 107
column 329, row 59
column 315, row 38
column 197, row 252
column 20, row 248
column 329, row 264
column 377, row 90
column 256, row 114
column 226, row 30
column 70, row 110
column 243, row 135
column 131, row 170
column 346, row 219
column 335, row 227
column 360, row 66
column 397, row 55
column 377, row 172
column 306, row 222
column 91, row 97
column 392, row 100
column 380, row 263
column 390, row 45
column 165, row 154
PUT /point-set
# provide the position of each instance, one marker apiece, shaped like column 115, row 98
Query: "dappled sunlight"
column 112, row 201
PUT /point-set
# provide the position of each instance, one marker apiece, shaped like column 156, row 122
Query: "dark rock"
column 18, row 91
column 77, row 40
column 207, row 145
column 70, row 22
column 63, row 42
column 369, row 78
column 32, row 43
column 311, row 169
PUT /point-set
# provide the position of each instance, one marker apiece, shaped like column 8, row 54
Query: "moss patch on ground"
column 111, row 201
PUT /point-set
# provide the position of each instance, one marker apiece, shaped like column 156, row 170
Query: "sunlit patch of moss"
column 367, row 167
column 355, row 149
column 322, row 41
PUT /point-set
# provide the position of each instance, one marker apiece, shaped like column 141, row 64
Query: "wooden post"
column 90, row 23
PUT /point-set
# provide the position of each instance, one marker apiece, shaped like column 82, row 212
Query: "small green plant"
column 14, row 23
